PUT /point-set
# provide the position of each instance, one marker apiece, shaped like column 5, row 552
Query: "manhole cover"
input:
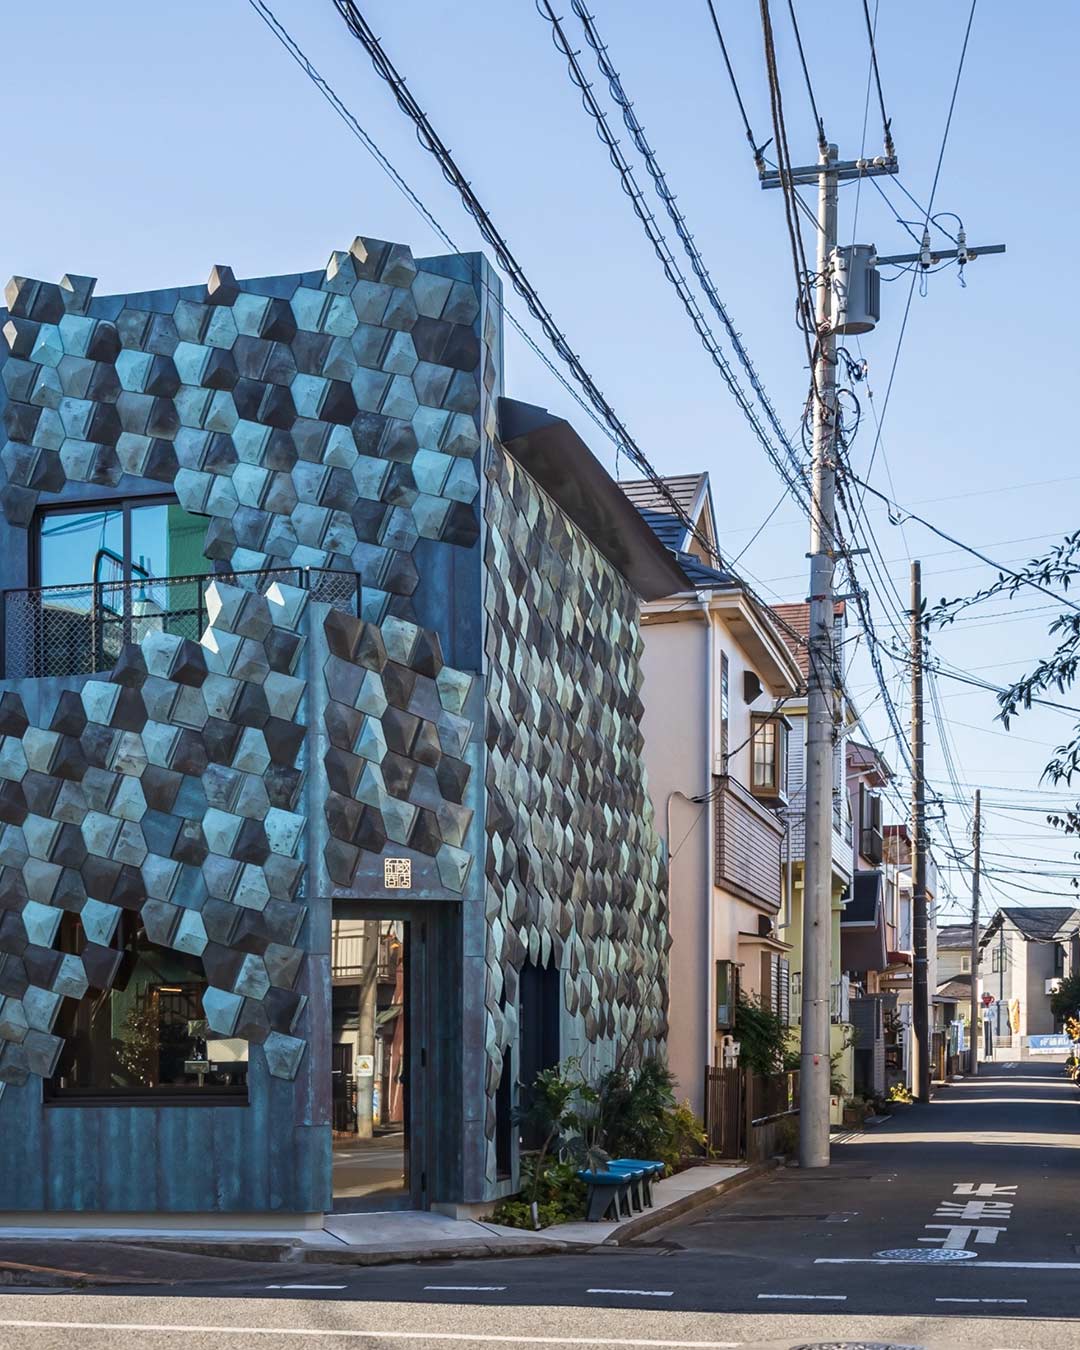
column 855, row 1345
column 927, row 1255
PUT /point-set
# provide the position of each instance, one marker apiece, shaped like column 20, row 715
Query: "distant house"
column 954, row 971
column 1024, row 950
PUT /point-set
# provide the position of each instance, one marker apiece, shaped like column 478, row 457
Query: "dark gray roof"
column 703, row 576
column 551, row 452
column 1037, row 923
column 954, row 936
column 657, row 510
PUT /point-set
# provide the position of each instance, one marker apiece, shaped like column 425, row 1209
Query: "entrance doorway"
column 370, row 1063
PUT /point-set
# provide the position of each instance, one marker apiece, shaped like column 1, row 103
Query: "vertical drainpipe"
column 710, row 827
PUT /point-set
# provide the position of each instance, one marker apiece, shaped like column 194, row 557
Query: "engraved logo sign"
column 397, row 874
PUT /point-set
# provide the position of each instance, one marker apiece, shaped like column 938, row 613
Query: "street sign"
column 365, row 1066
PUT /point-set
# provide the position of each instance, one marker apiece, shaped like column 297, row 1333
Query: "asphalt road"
column 953, row 1224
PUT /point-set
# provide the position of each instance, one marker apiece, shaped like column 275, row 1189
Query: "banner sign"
column 1050, row 1045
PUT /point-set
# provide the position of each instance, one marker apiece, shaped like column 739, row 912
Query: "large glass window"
column 146, row 1036
column 110, row 575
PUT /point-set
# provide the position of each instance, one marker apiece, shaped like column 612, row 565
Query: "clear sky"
column 147, row 142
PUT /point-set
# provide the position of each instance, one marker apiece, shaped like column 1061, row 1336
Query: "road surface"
column 953, row 1224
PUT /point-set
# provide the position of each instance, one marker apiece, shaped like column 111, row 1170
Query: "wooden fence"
column 744, row 1111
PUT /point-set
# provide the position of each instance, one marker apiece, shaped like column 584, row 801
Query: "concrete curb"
column 644, row 1223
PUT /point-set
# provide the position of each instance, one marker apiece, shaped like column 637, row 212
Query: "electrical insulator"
column 856, row 288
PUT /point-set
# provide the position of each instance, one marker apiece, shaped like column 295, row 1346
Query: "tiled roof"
column 797, row 617
column 657, row 510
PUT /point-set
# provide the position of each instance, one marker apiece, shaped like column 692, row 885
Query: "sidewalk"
column 80, row 1255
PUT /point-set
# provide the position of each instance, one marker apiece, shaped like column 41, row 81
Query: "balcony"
column 347, row 958
column 748, row 841
column 61, row 631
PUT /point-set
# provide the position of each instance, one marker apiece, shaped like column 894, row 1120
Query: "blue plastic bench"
column 609, row 1193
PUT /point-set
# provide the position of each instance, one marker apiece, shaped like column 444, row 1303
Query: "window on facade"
column 965, row 965
column 871, row 840
column 768, row 756
column 112, row 574
column 145, row 1037
column 999, row 960
column 726, row 994
column 1059, row 960
column 725, row 707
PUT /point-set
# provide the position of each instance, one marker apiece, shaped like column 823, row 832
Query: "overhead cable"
column 278, row 29
column 791, row 471
column 757, row 149
column 886, row 121
column 678, row 220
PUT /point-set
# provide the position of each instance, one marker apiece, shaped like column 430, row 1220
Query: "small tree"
column 1055, row 672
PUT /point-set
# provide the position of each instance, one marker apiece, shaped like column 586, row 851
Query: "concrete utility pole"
column 975, row 867
column 815, row 1066
column 821, row 710
column 920, row 991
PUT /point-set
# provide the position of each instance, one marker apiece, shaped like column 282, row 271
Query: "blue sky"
column 148, row 142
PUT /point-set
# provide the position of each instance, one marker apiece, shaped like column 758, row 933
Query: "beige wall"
column 681, row 765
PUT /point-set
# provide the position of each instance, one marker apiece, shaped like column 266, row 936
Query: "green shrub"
column 560, row 1196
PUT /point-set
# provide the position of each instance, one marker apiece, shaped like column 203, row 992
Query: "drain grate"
column 926, row 1255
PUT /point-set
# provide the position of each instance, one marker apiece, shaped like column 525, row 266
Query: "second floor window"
column 768, row 756
column 107, row 575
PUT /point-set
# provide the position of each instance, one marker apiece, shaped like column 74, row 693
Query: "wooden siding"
column 748, row 840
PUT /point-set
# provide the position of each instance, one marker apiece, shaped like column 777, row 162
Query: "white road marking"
column 307, row 1286
column 143, row 1327
column 977, row 1264
column 980, row 1300
column 828, row 1298
column 468, row 1288
column 642, row 1293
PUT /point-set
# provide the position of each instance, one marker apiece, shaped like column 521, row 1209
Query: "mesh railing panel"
column 81, row 630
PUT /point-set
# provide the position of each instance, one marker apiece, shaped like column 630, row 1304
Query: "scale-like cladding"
column 574, row 869
column 166, row 789
column 323, row 421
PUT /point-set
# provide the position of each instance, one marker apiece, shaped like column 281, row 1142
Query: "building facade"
column 717, row 672
column 306, row 625
column 1024, row 950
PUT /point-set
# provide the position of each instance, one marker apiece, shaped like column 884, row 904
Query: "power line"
column 678, row 220
column 965, row 548
column 278, row 29
column 806, row 76
column 886, row 122
column 433, row 143
column 792, row 471
column 757, row 149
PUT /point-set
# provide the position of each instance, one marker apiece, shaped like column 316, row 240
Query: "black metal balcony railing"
column 82, row 629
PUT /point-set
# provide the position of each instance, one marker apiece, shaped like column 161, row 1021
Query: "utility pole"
column 920, row 991
column 976, row 865
column 842, row 307
column 821, row 711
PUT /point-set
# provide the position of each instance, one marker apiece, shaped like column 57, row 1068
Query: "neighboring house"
column 1024, row 951
column 795, row 625
column 716, row 669
column 898, row 978
column 409, row 695
column 865, row 922
column 954, row 974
